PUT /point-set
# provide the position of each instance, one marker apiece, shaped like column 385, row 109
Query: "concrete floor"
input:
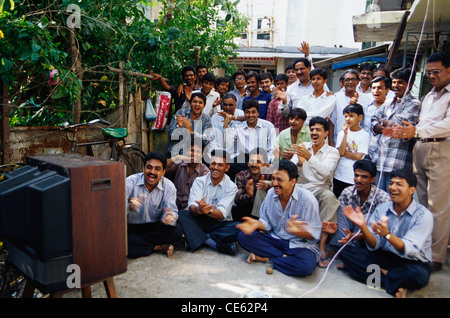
column 208, row 274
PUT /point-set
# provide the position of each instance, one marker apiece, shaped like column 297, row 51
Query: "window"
column 263, row 29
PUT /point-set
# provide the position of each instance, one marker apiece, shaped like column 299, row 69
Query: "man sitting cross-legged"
column 288, row 228
column 398, row 240
column 207, row 219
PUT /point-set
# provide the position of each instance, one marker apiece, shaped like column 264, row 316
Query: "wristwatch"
column 387, row 236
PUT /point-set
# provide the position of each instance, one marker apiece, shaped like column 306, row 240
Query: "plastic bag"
column 150, row 113
column 162, row 110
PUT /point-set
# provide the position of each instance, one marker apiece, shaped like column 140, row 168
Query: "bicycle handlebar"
column 66, row 126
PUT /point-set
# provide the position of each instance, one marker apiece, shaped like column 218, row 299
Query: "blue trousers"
column 402, row 273
column 385, row 179
column 290, row 261
column 197, row 229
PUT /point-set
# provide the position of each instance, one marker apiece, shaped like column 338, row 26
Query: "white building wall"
column 319, row 22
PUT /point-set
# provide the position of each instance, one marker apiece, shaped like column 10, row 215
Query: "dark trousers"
column 142, row 238
column 290, row 261
column 197, row 229
column 402, row 273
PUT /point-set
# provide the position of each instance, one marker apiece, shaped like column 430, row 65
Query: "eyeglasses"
column 434, row 72
column 348, row 80
column 240, row 79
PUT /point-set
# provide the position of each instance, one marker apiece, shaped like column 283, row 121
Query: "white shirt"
column 342, row 101
column 263, row 135
column 318, row 171
column 322, row 106
column 217, row 120
column 434, row 118
column 221, row 195
column 369, row 94
column 357, row 142
column 209, row 109
column 296, row 91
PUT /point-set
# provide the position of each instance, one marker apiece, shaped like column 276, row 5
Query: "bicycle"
column 129, row 154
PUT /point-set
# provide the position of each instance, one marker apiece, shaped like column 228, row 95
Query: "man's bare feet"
column 401, row 293
column 255, row 258
column 165, row 249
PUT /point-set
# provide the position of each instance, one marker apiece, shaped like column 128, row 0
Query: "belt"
column 433, row 139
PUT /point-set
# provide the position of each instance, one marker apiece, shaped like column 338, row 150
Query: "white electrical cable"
column 382, row 161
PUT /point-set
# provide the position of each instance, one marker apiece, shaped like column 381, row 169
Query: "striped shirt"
column 392, row 153
column 301, row 203
column 164, row 195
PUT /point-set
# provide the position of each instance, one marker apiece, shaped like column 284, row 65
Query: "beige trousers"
column 328, row 203
column 431, row 164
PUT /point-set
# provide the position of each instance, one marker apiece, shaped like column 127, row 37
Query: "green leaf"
column 6, row 65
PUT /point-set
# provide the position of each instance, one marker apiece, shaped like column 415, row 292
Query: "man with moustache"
column 182, row 170
column 208, row 219
column 431, row 152
column 316, row 162
column 253, row 81
column 398, row 240
column 344, row 97
column 365, row 76
column 179, row 97
column 302, row 86
column 229, row 116
column 252, row 185
column 152, row 212
column 363, row 194
column 288, row 228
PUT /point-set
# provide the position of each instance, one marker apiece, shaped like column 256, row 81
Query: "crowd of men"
column 292, row 171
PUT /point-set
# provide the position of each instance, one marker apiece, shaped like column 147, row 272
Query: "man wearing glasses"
column 239, row 91
column 343, row 98
column 431, row 152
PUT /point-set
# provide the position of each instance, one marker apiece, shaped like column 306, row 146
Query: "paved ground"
column 207, row 274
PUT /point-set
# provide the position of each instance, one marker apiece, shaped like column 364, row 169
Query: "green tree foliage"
column 34, row 40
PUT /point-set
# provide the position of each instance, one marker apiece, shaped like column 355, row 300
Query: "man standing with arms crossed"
column 431, row 152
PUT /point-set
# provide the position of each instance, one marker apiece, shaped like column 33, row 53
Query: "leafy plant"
column 35, row 40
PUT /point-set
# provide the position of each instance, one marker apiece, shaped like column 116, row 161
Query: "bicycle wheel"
column 133, row 158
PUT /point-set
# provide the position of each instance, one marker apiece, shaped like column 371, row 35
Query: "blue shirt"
column 263, row 100
column 413, row 226
column 302, row 203
column 164, row 195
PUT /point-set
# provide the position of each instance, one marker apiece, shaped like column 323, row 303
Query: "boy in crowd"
column 279, row 96
column 353, row 144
